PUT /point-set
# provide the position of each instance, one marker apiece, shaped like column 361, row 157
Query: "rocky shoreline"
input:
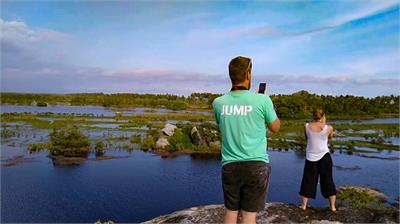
column 282, row 213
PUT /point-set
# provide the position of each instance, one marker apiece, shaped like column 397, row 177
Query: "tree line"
column 293, row 106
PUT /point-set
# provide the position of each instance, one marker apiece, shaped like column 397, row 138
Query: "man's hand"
column 266, row 92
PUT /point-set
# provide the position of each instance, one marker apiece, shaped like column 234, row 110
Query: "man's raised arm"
column 275, row 125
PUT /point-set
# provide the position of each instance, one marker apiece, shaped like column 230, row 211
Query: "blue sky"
column 180, row 47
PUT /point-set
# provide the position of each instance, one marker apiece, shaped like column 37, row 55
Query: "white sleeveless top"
column 317, row 143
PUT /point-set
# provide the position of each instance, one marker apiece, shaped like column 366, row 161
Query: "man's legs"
column 230, row 216
column 248, row 217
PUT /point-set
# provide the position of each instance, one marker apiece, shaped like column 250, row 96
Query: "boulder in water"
column 169, row 129
column 161, row 143
column 196, row 137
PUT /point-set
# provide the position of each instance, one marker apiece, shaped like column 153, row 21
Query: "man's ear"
column 248, row 75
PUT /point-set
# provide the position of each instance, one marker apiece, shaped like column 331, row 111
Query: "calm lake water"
column 144, row 185
column 95, row 110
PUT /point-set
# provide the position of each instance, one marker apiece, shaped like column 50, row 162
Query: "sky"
column 181, row 47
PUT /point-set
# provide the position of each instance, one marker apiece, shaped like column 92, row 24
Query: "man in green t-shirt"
column 242, row 117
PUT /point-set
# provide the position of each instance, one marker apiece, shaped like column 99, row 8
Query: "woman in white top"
column 318, row 161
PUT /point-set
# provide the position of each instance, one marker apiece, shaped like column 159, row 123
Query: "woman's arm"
column 330, row 131
column 305, row 132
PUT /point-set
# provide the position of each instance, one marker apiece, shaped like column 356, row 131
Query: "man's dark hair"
column 238, row 68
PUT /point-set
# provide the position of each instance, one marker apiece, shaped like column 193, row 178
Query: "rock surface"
column 281, row 213
column 196, row 137
column 169, row 129
column 161, row 143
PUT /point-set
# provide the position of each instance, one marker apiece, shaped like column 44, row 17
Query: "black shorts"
column 245, row 185
column 323, row 169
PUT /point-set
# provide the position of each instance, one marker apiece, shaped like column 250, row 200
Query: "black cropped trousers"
column 312, row 170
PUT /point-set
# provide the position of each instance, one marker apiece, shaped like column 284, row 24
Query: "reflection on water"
column 145, row 185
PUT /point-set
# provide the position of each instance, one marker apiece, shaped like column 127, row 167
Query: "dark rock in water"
column 101, row 158
column 67, row 161
column 41, row 104
column 18, row 159
column 338, row 167
column 282, row 213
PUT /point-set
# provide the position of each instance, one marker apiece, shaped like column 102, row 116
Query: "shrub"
column 355, row 197
column 179, row 141
column 135, row 139
column 147, row 143
column 38, row 147
column 99, row 148
column 69, row 142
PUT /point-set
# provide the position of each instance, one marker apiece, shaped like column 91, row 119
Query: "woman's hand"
column 336, row 134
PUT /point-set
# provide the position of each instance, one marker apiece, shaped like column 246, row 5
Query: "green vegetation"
column 357, row 197
column 180, row 141
column 69, row 142
column 135, row 139
column 67, row 146
column 38, row 147
column 301, row 104
column 8, row 133
column 183, row 139
column 99, row 148
column 295, row 106
column 147, row 143
column 116, row 100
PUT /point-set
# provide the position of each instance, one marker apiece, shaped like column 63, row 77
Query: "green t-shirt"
column 242, row 117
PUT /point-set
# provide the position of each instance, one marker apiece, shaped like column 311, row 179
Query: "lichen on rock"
column 282, row 213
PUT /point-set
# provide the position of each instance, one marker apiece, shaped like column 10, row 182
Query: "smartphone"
column 261, row 88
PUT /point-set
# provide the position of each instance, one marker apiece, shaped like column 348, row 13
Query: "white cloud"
column 23, row 72
column 370, row 8
column 18, row 32
column 374, row 64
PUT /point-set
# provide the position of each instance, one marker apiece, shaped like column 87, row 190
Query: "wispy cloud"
column 369, row 8
column 271, row 31
column 188, row 47
column 18, row 32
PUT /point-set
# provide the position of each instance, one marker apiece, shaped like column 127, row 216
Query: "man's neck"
column 239, row 87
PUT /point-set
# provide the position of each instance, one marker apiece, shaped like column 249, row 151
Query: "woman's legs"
column 304, row 202
column 309, row 182
column 328, row 188
column 332, row 202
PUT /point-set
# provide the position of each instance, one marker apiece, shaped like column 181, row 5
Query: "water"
column 370, row 121
column 94, row 110
column 145, row 185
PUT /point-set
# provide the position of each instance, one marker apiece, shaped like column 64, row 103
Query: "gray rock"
column 196, row 137
column 169, row 129
column 280, row 213
column 215, row 146
column 161, row 143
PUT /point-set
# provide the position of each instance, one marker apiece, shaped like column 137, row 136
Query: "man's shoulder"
column 259, row 97
column 219, row 99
